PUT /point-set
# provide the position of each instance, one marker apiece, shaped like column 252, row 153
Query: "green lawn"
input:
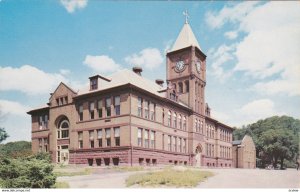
column 168, row 177
column 60, row 173
column 125, row 168
column 60, row 185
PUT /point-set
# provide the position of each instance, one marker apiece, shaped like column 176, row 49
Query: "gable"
column 62, row 93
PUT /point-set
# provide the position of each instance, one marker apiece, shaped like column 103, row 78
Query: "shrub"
column 26, row 173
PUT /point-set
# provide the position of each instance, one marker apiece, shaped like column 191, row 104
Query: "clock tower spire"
column 186, row 69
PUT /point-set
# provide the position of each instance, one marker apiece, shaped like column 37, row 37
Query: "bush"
column 26, row 173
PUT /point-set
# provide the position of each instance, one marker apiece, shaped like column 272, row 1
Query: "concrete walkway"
column 252, row 178
column 223, row 178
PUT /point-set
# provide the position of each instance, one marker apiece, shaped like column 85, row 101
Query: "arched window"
column 63, row 129
column 180, row 87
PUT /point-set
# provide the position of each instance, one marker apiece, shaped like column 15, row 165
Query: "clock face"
column 198, row 66
column 179, row 65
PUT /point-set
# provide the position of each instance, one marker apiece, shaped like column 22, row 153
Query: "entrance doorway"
column 198, row 155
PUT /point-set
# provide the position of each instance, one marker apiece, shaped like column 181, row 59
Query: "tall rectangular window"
column 100, row 105
column 117, row 105
column 80, row 110
column 108, row 106
column 184, row 146
column 146, row 138
column 152, row 113
column 80, row 140
column 152, row 138
column 94, row 84
column 174, row 144
column 99, row 135
column 140, row 104
column 179, row 121
column 146, row 109
column 175, row 120
column 46, row 121
column 139, row 137
column 92, row 106
column 40, row 145
column 169, row 143
column 46, row 144
column 107, row 136
column 180, row 145
column 117, row 136
column 169, row 118
column 184, row 123
column 91, row 137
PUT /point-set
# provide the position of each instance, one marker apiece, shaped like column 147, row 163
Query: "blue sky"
column 252, row 52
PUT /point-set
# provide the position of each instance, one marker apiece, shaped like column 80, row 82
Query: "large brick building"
column 126, row 119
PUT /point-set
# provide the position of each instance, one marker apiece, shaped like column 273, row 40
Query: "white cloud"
column 13, row 108
column 219, row 58
column 269, row 52
column 229, row 13
column 29, row 79
column 231, row 34
column 64, row 71
column 255, row 110
column 72, row 5
column 101, row 63
column 149, row 58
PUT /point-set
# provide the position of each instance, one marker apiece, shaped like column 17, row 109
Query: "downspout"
column 130, row 95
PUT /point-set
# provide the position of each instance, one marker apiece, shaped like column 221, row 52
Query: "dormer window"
column 94, row 83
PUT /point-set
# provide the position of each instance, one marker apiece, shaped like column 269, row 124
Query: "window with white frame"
column 139, row 137
column 184, row 146
column 108, row 106
column 140, row 104
column 169, row 143
column 146, row 109
column 80, row 112
column 91, row 109
column 91, row 137
column 80, row 140
column 152, row 111
column 180, row 121
column 100, row 106
column 179, row 145
column 169, row 118
column 99, row 136
column 174, row 120
column 117, row 136
column 184, row 123
column 117, row 105
column 63, row 129
column 174, row 142
column 146, row 138
column 107, row 136
column 152, row 138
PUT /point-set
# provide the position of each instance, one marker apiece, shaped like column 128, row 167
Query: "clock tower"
column 186, row 70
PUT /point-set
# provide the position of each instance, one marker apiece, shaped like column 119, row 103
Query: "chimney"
column 137, row 70
column 159, row 82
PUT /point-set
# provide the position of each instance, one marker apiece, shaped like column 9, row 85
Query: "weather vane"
column 185, row 13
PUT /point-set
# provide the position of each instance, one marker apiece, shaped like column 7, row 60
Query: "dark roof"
column 236, row 142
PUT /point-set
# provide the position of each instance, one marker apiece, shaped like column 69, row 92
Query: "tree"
column 3, row 134
column 16, row 149
column 276, row 139
column 30, row 172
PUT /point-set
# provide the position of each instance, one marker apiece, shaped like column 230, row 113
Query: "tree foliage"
column 30, row 172
column 3, row 135
column 16, row 149
column 276, row 139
